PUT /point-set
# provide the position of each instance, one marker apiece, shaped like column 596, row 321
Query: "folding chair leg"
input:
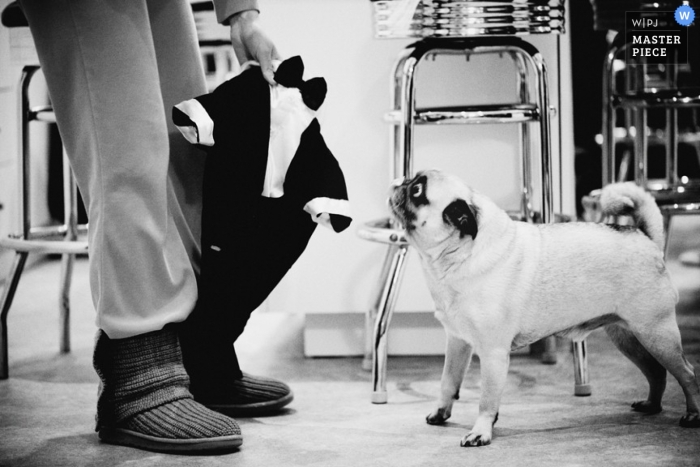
column 549, row 356
column 67, row 261
column 7, row 297
column 371, row 315
column 582, row 386
column 390, row 289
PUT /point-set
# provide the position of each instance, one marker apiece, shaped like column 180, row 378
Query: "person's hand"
column 251, row 43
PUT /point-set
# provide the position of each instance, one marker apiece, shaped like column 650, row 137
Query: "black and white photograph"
column 341, row 233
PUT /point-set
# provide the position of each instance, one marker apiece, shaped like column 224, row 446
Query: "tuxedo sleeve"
column 195, row 118
column 315, row 177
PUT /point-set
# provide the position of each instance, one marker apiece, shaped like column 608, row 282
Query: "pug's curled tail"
column 620, row 199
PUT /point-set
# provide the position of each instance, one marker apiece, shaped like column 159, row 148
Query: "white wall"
column 338, row 272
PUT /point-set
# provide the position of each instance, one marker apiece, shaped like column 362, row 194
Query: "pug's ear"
column 462, row 216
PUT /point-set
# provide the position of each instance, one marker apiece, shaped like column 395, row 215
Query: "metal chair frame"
column 673, row 195
column 404, row 117
column 64, row 239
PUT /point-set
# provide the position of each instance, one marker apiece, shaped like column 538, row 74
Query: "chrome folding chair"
column 66, row 239
column 465, row 28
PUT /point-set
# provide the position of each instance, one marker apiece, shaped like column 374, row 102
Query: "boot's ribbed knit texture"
column 216, row 379
column 242, row 391
column 145, row 389
column 182, row 419
column 252, row 389
column 138, row 373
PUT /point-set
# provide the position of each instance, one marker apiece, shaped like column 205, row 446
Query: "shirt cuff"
column 227, row 8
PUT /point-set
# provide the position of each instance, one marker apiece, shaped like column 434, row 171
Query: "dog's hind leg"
column 663, row 340
column 458, row 355
column 654, row 372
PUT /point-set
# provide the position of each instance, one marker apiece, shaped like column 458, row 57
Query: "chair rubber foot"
column 583, row 390
column 380, row 397
column 549, row 358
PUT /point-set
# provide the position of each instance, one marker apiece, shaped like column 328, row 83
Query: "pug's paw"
column 646, row 407
column 438, row 416
column 690, row 420
column 474, row 439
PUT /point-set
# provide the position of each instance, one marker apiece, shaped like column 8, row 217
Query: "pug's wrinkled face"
column 434, row 207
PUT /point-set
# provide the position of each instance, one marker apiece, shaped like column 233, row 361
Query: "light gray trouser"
column 114, row 69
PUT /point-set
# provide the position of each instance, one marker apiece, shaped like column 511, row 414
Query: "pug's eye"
column 417, row 190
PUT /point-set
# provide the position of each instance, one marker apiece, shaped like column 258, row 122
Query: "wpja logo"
column 644, row 23
column 658, row 36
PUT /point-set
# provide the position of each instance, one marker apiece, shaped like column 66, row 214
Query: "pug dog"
column 500, row 284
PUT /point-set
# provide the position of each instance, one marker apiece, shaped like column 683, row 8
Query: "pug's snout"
column 392, row 200
column 396, row 192
column 397, row 182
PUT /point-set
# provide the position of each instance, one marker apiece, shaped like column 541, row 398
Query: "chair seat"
column 382, row 231
column 460, row 115
column 45, row 246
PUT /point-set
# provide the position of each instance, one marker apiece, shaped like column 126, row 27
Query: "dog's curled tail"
column 620, row 199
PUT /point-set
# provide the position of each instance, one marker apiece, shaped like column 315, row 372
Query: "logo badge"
column 684, row 15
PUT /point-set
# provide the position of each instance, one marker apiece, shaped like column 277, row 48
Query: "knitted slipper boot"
column 144, row 400
column 247, row 396
column 217, row 380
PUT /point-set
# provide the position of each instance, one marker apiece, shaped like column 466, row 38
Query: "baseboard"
column 343, row 334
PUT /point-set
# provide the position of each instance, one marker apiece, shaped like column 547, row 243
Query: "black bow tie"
column 290, row 75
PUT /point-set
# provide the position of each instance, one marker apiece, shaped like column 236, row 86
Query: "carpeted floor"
column 47, row 405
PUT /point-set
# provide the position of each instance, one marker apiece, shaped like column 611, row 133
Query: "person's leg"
column 253, row 258
column 100, row 63
column 181, row 78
